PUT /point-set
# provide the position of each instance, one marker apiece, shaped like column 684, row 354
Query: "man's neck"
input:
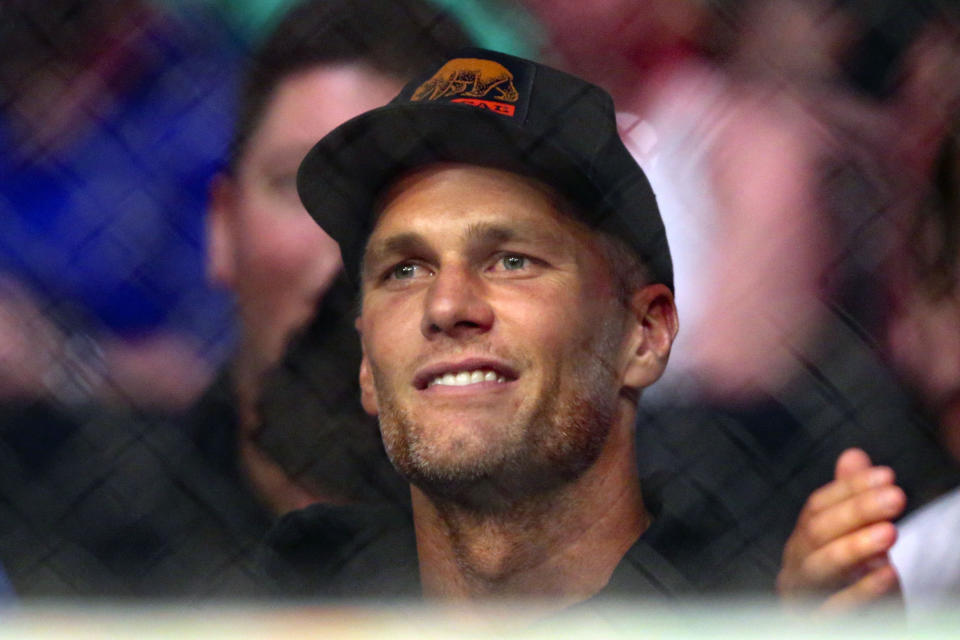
column 562, row 547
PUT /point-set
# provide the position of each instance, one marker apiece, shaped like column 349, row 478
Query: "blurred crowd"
column 177, row 344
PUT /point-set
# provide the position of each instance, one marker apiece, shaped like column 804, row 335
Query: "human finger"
column 882, row 582
column 850, row 462
column 837, row 491
column 860, row 510
column 839, row 562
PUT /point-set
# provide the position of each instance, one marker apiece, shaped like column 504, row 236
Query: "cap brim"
column 343, row 174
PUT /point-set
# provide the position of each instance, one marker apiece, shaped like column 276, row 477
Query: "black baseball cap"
column 490, row 109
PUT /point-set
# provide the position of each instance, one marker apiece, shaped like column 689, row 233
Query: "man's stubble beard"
column 561, row 439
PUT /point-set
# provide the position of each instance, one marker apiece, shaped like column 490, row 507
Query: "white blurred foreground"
column 371, row 620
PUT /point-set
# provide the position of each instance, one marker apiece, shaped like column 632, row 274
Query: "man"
column 516, row 299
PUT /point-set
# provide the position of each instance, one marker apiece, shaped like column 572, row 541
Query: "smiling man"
column 506, row 341
column 516, row 298
column 505, row 368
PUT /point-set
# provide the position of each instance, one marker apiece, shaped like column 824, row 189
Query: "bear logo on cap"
column 469, row 79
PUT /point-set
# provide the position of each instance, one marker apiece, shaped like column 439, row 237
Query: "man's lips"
column 435, row 373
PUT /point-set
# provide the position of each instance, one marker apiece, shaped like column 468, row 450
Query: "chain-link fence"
column 804, row 157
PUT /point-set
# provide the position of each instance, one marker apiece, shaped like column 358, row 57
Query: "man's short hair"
column 629, row 270
column 396, row 38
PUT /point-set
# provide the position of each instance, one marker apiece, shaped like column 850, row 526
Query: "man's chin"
column 449, row 470
column 484, row 483
column 456, row 465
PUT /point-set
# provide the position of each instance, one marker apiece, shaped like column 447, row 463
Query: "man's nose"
column 456, row 304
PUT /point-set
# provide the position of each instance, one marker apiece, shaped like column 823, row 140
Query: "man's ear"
column 221, row 218
column 368, row 396
column 653, row 325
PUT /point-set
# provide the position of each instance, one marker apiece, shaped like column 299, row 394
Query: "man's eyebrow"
column 491, row 233
column 410, row 242
column 401, row 243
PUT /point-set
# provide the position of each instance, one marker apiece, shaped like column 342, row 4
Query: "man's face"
column 493, row 339
column 263, row 244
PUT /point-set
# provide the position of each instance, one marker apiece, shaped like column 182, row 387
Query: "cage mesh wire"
column 115, row 117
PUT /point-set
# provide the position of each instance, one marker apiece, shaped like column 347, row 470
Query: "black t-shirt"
column 692, row 548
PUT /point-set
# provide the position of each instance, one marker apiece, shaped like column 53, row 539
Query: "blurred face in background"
column 635, row 34
column 263, row 245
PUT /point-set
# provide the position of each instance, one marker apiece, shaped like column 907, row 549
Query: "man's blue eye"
column 404, row 271
column 511, row 263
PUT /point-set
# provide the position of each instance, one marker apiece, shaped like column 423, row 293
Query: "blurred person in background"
column 112, row 121
column 114, row 118
column 885, row 95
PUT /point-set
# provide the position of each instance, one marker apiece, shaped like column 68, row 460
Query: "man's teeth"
column 464, row 378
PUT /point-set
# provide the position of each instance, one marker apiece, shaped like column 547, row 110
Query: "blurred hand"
column 839, row 548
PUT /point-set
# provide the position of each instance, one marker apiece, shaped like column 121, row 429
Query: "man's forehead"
column 495, row 191
column 470, row 204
